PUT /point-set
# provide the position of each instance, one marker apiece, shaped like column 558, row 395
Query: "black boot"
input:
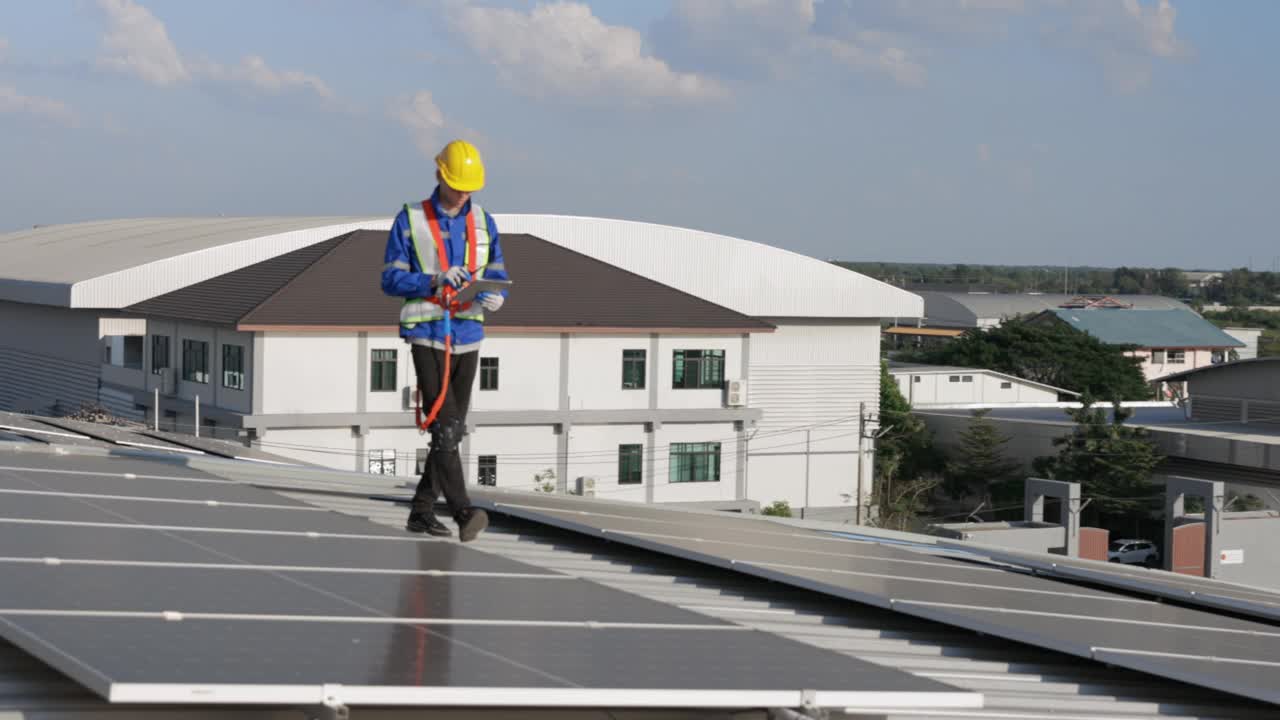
column 426, row 522
column 471, row 522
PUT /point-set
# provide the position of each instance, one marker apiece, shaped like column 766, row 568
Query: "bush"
column 780, row 508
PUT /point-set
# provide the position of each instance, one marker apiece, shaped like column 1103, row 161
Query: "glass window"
column 697, row 369
column 967, row 378
column 1157, row 357
column 633, row 369
column 695, row 462
column 630, row 458
column 488, row 474
column 159, row 354
column 489, row 373
column 382, row 375
column 233, row 367
column 1177, row 357
column 1006, row 385
column 133, row 351
column 382, row 462
column 195, row 361
column 954, row 378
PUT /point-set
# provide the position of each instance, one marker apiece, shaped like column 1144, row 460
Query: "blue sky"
column 1100, row 132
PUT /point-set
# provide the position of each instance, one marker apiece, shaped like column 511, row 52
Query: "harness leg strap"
column 447, row 434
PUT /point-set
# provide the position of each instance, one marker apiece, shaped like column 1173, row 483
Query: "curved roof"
column 114, row 263
column 117, row 263
column 749, row 277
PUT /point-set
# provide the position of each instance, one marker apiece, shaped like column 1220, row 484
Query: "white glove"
column 455, row 276
column 490, row 301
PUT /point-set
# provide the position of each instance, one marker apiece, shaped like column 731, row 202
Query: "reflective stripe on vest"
column 417, row 310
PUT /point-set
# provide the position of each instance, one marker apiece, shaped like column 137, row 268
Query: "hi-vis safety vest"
column 424, row 228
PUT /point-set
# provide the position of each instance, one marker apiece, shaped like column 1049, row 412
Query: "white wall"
column 929, row 388
column 308, row 372
column 669, row 397
column 528, row 373
column 593, row 451
column 522, row 451
column 809, row 381
column 595, row 377
column 667, row 491
column 212, row 393
column 406, row 376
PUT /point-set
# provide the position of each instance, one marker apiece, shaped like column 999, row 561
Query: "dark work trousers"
column 443, row 473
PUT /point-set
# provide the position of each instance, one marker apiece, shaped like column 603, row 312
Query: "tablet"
column 468, row 293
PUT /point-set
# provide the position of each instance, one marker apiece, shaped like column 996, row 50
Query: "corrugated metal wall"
column 44, row 384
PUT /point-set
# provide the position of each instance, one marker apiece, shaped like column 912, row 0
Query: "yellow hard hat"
column 461, row 167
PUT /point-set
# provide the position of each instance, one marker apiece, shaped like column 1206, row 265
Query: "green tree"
column 1048, row 352
column 779, row 508
column 980, row 462
column 905, row 451
column 1112, row 462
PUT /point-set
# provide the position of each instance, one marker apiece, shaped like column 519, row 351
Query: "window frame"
column 489, row 372
column 630, row 454
column 1175, row 357
column 168, row 349
column 379, row 360
column 630, row 363
column 487, row 463
column 189, row 353
column 237, row 372
column 684, row 460
column 681, row 363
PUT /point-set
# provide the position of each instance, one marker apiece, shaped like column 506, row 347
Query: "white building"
column 933, row 385
column 279, row 327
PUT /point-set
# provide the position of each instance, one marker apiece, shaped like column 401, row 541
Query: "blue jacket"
column 467, row 334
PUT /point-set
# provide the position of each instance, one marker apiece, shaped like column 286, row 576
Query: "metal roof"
column 922, row 369
column 947, row 308
column 117, row 263
column 1148, row 328
column 1017, row 681
column 1216, row 368
column 114, row 263
column 554, row 287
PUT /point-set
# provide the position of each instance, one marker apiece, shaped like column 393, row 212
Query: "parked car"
column 1134, row 552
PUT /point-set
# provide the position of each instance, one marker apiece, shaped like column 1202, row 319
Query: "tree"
column 981, row 462
column 1052, row 353
column 1112, row 461
column 779, row 508
column 906, row 449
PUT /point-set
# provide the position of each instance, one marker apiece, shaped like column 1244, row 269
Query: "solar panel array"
column 152, row 582
column 1213, row 650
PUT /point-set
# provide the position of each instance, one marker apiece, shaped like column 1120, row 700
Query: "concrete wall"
column 1030, row 537
column 932, row 388
column 48, row 356
column 528, row 373
column 596, row 378
column 1192, row 359
column 669, row 397
column 1248, row 336
column 1027, row 439
column 1246, row 548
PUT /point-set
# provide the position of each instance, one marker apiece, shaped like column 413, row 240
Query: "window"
column 233, row 367
column 382, row 462
column 695, row 462
column 195, row 361
column 629, row 459
column 915, row 378
column 489, row 373
column 488, row 474
column 420, row 461
column 967, row 378
column 954, row 378
column 159, row 354
column 1177, row 357
column 1006, row 385
column 633, row 369
column 698, row 369
column 1157, row 357
column 382, row 375
column 133, row 351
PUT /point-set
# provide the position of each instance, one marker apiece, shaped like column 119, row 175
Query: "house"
column 934, row 385
column 1245, row 392
column 1165, row 340
column 634, row 361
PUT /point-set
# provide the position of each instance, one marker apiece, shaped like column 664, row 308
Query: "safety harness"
column 444, row 297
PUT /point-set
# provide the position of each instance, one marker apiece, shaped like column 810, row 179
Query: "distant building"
column 1198, row 280
column 933, row 385
column 985, row 310
column 1165, row 340
column 1250, row 337
column 1246, row 391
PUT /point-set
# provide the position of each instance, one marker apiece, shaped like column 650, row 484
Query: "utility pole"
column 808, row 434
column 862, row 432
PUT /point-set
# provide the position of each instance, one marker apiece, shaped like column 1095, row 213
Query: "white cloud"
column 14, row 102
column 137, row 43
column 562, row 49
column 1125, row 37
column 254, row 73
column 420, row 115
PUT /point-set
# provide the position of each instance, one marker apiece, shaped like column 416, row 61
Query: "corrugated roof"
column 1219, row 367
column 335, row 284
column 966, row 308
column 1148, row 328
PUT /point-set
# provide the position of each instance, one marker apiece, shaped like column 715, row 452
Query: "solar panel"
column 1073, row 619
column 27, row 427
column 165, row 600
column 1205, row 592
column 111, row 484
column 221, row 448
column 116, row 434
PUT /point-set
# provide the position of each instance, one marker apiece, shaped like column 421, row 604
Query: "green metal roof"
column 1148, row 328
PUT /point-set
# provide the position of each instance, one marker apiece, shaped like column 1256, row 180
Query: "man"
column 443, row 242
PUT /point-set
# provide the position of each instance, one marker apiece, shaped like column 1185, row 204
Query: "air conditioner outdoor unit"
column 736, row 393
column 586, row 487
column 407, row 397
